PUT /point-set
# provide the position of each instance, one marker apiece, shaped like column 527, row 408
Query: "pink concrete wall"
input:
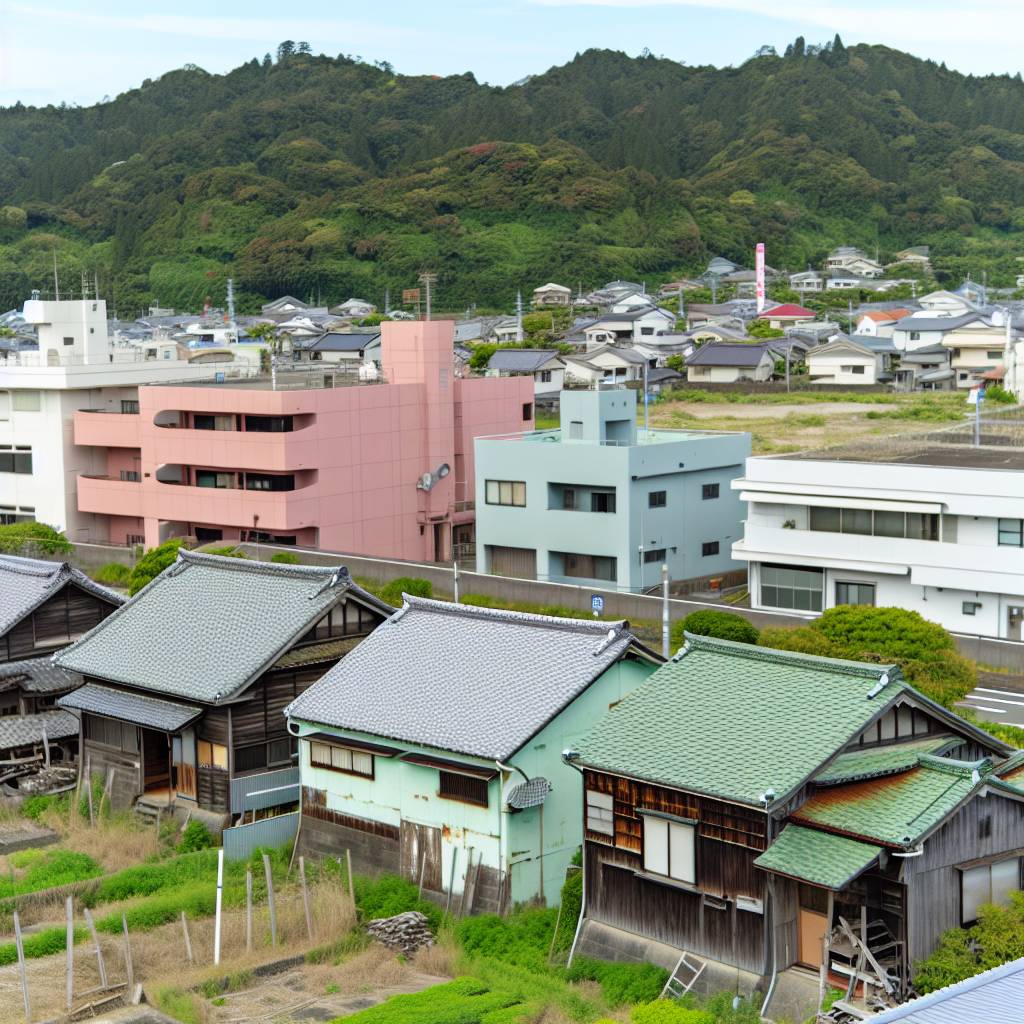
column 122, row 458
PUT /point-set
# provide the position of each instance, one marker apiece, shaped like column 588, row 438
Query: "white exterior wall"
column 830, row 368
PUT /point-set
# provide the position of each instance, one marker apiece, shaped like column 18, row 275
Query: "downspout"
column 568, row 756
column 770, row 916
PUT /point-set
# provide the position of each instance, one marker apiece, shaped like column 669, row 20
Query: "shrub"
column 803, row 639
column 621, row 983
column 997, row 393
column 46, row 869
column 35, row 806
column 113, row 574
column 33, row 539
column 724, row 625
column 42, row 943
column 522, row 939
column 196, row 836
column 153, row 562
column 226, row 551
column 572, row 902
column 388, row 895
column 285, row 558
column 665, row 1012
column 392, row 592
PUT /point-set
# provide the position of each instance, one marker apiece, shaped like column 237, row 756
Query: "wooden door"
column 156, row 760
column 811, row 927
column 421, row 853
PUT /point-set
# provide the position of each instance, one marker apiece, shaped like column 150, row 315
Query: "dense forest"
column 330, row 177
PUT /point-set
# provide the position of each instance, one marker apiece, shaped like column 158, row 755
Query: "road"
column 998, row 698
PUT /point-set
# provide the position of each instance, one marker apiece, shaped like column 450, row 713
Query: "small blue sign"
column 219, row 377
column 596, row 604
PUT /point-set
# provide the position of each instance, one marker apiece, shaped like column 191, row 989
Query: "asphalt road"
column 998, row 698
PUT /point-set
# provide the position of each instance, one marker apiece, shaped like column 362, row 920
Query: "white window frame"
column 600, row 813
column 670, row 847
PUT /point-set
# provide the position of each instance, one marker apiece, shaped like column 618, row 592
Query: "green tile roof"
column 817, row 857
column 734, row 720
column 897, row 809
column 874, row 761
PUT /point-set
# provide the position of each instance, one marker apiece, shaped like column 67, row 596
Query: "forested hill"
column 312, row 174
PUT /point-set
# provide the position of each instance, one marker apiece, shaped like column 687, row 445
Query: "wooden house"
column 780, row 816
column 43, row 606
column 434, row 749
column 186, row 684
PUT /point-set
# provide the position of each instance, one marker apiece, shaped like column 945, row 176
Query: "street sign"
column 596, row 604
column 410, row 295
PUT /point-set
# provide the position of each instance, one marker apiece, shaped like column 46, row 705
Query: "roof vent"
column 882, row 683
column 682, row 652
column 606, row 642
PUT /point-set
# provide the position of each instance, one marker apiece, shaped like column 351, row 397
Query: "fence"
column 241, row 841
column 268, row 789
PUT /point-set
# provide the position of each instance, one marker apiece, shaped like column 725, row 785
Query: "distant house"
column 670, row 288
column 186, row 684
column 735, row 311
column 339, row 348
column 354, row 308
column 434, row 749
column 879, row 323
column 849, row 361
column 629, row 325
column 977, row 347
column 607, row 364
column 719, row 266
column 850, row 259
column 726, row 362
column 807, row 281
column 925, row 369
column 946, row 303
column 864, row 822
column 787, row 314
column 552, row 294
column 544, row 365
column 915, row 255
column 925, row 329
column 504, row 330
column 286, row 304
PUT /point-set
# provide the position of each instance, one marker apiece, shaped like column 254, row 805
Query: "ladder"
column 677, row 985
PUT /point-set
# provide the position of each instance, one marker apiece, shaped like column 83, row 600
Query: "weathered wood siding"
column 97, row 760
column 66, row 615
column 213, row 789
column 933, row 881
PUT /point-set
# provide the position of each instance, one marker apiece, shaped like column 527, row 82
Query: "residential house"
column 726, row 363
column 44, row 605
column 339, row 349
column 629, row 326
column 354, row 308
column 946, row 303
column 925, row 329
column 853, row 260
column 545, row 366
column 977, row 347
column 737, row 311
column 807, row 281
column 504, row 330
column 186, row 683
column 925, row 369
column 602, row 503
column 672, row 288
column 879, row 323
column 914, row 256
column 287, row 304
column 786, row 314
column 552, row 294
column 434, row 749
column 862, row 822
column 864, row 362
column 919, row 524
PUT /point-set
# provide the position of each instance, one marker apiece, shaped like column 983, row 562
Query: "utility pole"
column 519, row 316
column 56, row 282
column 231, row 309
column 428, row 278
column 664, row 612
column 387, row 301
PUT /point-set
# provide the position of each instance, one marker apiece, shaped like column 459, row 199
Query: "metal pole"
column 129, row 967
column 788, row 350
column 647, row 423
column 978, row 399
column 270, row 899
column 220, row 894
column 69, row 903
column 664, row 611
column 21, row 968
column 455, row 581
column 248, row 910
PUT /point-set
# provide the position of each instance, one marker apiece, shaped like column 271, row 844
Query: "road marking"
column 1006, row 693
column 1019, row 703
column 991, row 711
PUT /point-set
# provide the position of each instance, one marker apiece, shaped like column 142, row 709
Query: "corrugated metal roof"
column 130, row 707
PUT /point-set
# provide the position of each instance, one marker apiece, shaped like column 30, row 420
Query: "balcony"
column 109, row 495
column 274, row 510
column 235, row 449
column 108, row 429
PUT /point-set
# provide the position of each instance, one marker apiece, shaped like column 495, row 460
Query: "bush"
column 196, row 836
column 113, row 574
column 153, row 562
column 388, row 895
column 522, row 938
column 285, row 558
column 35, row 806
column 33, row 539
column 665, row 1012
column 724, row 625
column 226, row 551
column 392, row 592
column 621, row 983
column 572, row 903
column 42, row 943
column 46, row 869
column 997, row 393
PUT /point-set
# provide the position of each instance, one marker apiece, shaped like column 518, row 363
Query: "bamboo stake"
column 248, row 910
column 100, row 962
column 106, row 791
column 305, row 896
column 70, row 951
column 88, row 793
column 21, row 968
column 423, row 868
column 351, row 888
column 129, row 969
column 270, row 900
column 188, row 941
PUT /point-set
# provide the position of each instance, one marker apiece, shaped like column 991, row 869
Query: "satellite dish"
column 428, row 480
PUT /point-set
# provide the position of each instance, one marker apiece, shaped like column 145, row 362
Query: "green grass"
column 41, row 943
column 46, row 869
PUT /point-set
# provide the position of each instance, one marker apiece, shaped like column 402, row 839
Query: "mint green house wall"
column 507, row 841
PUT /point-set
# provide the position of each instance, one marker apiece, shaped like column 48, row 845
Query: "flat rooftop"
column 658, row 436
column 287, row 380
column 923, row 453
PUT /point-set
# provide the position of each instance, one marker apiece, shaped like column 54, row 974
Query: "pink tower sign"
column 759, row 269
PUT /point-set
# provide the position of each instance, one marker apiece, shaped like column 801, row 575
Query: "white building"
column 846, row 361
column 853, row 260
column 933, row 529
column 75, row 368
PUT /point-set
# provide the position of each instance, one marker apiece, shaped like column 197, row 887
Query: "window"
column 341, row 759
column 970, row 607
column 569, row 499
column 783, row 586
column 16, row 514
column 657, row 499
column 249, row 759
column 855, row 593
column 281, row 751
column 130, row 475
column 588, row 567
column 915, row 335
column 465, row 788
column 865, row 522
column 1011, row 533
column 994, row 354
column 16, row 459
column 202, row 421
column 25, row 401
column 576, row 430
column 654, row 555
column 709, row 491
column 708, row 548
column 212, row 755
column 545, row 376
column 988, row 883
column 207, row 478
column 69, row 341
column 129, row 406
column 599, row 813
column 669, row 848
column 527, row 411
column 269, row 482
column 111, row 733
column 602, row 501
column 505, row 492
column 269, row 424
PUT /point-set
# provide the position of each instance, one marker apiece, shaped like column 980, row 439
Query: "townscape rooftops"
column 25, row 583
column 721, row 353
column 936, row 323
column 475, row 681
column 336, row 341
column 817, row 857
column 885, row 316
column 670, row 729
column 521, row 360
column 872, row 762
column 189, row 632
column 920, row 453
column 787, row 309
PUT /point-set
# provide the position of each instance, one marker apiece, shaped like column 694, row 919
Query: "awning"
column 823, row 501
column 817, row 857
column 130, row 707
column 457, row 767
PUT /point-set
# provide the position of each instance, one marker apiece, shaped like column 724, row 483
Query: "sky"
column 80, row 52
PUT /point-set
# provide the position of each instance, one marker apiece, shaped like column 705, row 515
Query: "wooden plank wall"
column 69, row 613
column 212, row 787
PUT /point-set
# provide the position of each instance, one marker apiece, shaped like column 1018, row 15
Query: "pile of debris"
column 408, row 932
column 50, row 779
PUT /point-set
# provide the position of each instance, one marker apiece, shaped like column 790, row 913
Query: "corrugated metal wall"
column 268, row 789
column 242, row 840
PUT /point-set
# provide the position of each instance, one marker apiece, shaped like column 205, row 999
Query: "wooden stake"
column 188, row 941
column 21, row 968
column 248, row 910
column 70, row 950
column 88, row 793
column 305, row 896
column 106, row 791
column 101, row 963
column 270, row 900
column 451, row 880
column 128, row 967
column 423, row 868
column 351, row 887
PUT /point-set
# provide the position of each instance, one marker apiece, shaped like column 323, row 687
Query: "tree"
column 762, row 329
column 33, row 539
column 285, row 50
column 153, row 562
column 676, row 362
column 267, row 60
column 481, row 356
column 304, row 47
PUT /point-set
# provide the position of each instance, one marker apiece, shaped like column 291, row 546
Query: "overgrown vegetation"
column 724, row 625
column 36, row 869
column 33, row 539
column 153, row 562
column 392, row 591
column 113, row 574
column 285, row 558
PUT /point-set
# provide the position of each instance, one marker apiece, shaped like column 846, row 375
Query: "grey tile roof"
column 934, row 323
column 22, row 730
column 521, row 360
column 338, row 342
column 716, row 353
column 130, row 707
column 38, row 675
column 992, row 997
column 25, row 583
column 208, row 625
column 475, row 681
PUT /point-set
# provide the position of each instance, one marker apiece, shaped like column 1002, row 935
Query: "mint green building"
column 602, row 503
column 434, row 748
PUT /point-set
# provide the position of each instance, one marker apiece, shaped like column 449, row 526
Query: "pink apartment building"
column 382, row 469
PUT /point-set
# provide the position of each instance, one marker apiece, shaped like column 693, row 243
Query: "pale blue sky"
column 79, row 51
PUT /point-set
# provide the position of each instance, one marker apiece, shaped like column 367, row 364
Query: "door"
column 421, row 854
column 183, row 764
column 811, row 928
column 519, row 563
column 1014, row 619
column 156, row 761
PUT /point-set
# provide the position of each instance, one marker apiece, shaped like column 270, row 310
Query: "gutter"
column 568, row 758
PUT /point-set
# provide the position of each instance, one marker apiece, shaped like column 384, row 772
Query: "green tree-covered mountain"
column 318, row 175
